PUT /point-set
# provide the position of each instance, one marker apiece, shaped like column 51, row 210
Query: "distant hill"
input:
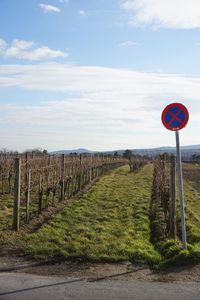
column 191, row 147
column 187, row 151
column 79, row 151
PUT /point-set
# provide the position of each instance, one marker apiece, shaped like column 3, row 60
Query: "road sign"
column 175, row 116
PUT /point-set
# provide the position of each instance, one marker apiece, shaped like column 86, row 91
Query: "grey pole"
column 180, row 182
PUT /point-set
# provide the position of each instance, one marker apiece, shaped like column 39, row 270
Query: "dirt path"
column 99, row 271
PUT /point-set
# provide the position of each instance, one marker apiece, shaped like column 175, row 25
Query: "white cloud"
column 16, row 48
column 93, row 80
column 127, row 44
column 64, row 1
column 49, row 8
column 42, row 53
column 21, row 44
column 101, row 108
column 175, row 14
column 3, row 45
column 103, row 90
column 108, row 83
column 82, row 12
column 22, row 49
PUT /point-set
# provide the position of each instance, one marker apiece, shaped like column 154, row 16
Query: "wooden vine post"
column 80, row 173
column 72, row 177
column 27, row 192
column 47, row 188
column 97, row 165
column 17, row 182
column 90, row 177
column 40, row 194
column 62, row 182
column 173, row 226
column 28, row 195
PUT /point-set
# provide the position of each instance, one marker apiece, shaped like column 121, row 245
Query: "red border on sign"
column 166, row 110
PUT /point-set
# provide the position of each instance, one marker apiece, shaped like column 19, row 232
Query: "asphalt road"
column 26, row 286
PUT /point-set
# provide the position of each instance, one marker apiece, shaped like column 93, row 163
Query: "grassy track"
column 110, row 222
column 192, row 199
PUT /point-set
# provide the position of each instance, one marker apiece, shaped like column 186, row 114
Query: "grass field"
column 111, row 222
column 6, row 208
column 192, row 201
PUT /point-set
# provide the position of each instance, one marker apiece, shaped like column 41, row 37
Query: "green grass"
column 172, row 251
column 6, row 212
column 6, row 208
column 192, row 211
column 173, row 254
column 109, row 223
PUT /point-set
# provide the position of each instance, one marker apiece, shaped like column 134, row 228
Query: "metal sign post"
column 180, row 183
column 175, row 117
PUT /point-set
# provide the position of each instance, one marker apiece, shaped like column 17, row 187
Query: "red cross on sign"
column 175, row 116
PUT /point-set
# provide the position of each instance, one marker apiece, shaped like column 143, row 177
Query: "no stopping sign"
column 175, row 116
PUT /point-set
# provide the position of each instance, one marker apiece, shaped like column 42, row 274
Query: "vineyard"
column 131, row 213
column 30, row 185
column 165, row 215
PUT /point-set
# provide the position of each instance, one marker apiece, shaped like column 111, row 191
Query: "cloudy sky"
column 97, row 73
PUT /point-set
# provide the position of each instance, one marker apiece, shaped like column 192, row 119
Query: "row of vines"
column 165, row 216
column 30, row 185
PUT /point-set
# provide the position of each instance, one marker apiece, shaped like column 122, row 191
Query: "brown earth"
column 99, row 271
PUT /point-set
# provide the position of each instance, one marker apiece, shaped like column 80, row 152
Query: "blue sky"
column 97, row 73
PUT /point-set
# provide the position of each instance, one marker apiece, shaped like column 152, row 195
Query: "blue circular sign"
column 175, row 116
